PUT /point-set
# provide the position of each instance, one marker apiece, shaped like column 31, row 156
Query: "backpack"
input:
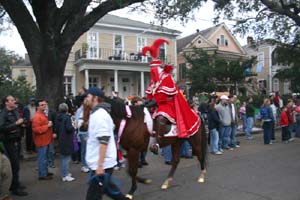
column 264, row 113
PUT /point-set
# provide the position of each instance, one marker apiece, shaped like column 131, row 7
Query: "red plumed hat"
column 154, row 49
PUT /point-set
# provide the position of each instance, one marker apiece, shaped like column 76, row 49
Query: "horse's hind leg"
column 198, row 143
column 175, row 161
column 132, row 156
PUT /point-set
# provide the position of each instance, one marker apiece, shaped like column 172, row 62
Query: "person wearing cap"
column 234, row 121
column 29, row 111
column 223, row 110
column 250, row 113
column 101, row 151
column 171, row 105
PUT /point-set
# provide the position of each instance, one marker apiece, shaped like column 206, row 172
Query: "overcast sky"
column 203, row 19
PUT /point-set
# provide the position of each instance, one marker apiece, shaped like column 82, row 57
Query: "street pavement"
column 252, row 172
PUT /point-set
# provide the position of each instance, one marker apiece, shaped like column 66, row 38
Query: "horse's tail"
column 203, row 145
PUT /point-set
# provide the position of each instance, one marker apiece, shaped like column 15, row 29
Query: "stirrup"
column 154, row 148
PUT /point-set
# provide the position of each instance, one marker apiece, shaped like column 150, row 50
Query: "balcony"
column 115, row 56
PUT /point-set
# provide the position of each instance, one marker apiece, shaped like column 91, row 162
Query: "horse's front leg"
column 132, row 157
column 175, row 161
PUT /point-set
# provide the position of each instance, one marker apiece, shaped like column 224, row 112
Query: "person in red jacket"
column 284, row 123
column 42, row 136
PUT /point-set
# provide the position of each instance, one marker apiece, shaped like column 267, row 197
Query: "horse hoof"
column 129, row 196
column 201, row 178
column 148, row 181
column 164, row 186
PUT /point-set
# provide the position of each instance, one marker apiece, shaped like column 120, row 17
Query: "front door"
column 124, row 86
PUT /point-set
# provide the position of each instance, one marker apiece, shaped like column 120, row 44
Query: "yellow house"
column 109, row 56
column 216, row 40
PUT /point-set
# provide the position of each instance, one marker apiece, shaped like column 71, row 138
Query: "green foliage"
column 19, row 88
column 7, row 58
column 289, row 55
column 208, row 71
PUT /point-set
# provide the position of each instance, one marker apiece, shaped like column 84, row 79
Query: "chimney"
column 27, row 59
column 197, row 30
column 249, row 40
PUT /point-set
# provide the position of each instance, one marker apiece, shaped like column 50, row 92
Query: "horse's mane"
column 118, row 109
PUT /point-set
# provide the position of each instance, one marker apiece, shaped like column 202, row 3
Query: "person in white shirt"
column 101, row 152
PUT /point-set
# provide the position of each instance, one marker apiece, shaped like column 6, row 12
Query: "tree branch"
column 83, row 24
column 280, row 10
column 26, row 26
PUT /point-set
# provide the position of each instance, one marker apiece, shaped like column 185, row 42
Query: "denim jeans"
column 244, row 120
column 292, row 128
column 185, row 149
column 214, row 140
column 225, row 137
column 267, row 126
column 42, row 160
column 167, row 152
column 233, row 136
column 50, row 155
column 96, row 190
column 65, row 161
column 250, row 121
column 83, row 138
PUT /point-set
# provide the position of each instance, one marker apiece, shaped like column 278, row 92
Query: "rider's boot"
column 154, row 148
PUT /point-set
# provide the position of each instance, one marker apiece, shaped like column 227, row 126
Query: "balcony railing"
column 115, row 55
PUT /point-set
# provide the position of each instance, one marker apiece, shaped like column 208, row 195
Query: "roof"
column 121, row 21
column 206, row 33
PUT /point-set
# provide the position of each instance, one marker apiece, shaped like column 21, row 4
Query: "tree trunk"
column 49, row 72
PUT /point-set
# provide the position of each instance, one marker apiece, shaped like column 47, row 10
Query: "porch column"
column 142, row 84
column 86, row 83
column 116, row 80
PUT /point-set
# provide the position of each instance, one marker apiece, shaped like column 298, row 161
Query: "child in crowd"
column 284, row 123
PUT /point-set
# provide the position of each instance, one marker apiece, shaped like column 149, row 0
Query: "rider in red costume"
column 170, row 102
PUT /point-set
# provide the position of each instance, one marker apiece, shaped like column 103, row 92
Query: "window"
column 199, row 41
column 286, row 86
column 275, row 84
column 23, row 72
column 68, row 84
column 93, row 82
column 118, row 45
column 182, row 71
column 141, row 42
column 222, row 40
column 260, row 58
column 93, row 45
column 162, row 52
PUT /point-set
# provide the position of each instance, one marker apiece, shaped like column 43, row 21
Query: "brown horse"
column 135, row 139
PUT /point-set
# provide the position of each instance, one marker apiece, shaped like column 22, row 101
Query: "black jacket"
column 213, row 120
column 65, row 132
column 9, row 131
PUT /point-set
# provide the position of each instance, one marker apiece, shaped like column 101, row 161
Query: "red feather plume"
column 154, row 49
column 168, row 68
